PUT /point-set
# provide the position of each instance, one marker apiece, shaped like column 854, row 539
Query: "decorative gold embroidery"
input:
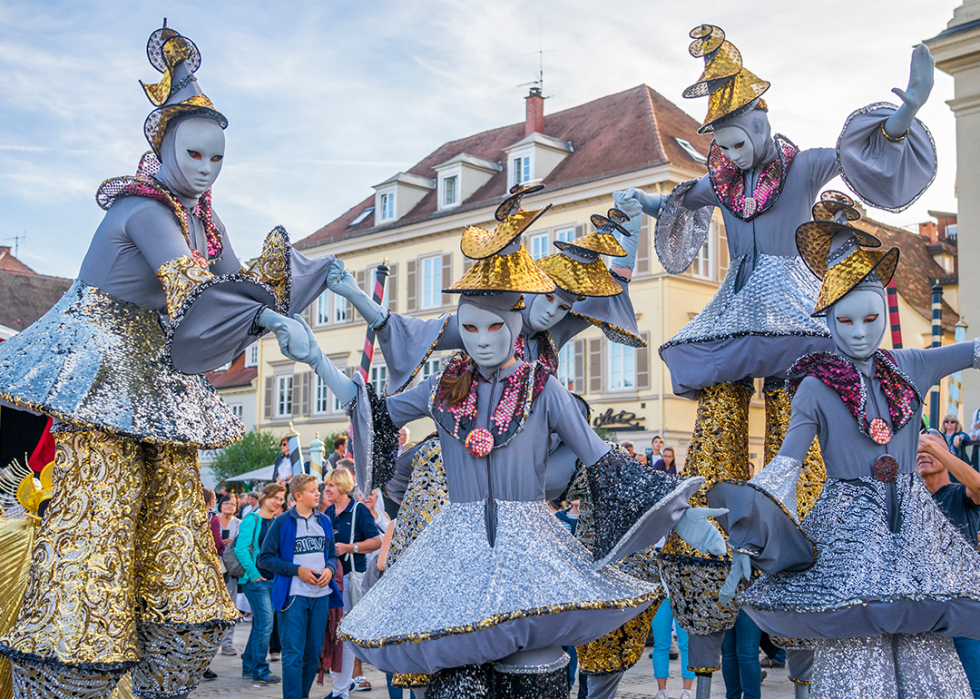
column 618, row 650
column 180, row 277
column 427, row 492
column 272, row 266
column 174, row 659
column 411, row 680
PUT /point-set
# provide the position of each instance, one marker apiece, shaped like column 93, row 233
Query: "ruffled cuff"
column 407, row 343
column 680, row 231
column 762, row 520
column 614, row 315
column 634, row 505
column 374, row 438
column 885, row 173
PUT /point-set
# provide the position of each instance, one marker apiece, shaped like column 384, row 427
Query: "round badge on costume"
column 886, row 468
column 479, row 442
column 881, row 433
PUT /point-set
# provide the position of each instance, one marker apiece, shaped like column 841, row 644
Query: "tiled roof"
column 234, row 376
column 917, row 271
column 9, row 263
column 27, row 297
column 617, row 134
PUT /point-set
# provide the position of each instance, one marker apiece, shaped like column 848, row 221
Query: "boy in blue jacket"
column 299, row 549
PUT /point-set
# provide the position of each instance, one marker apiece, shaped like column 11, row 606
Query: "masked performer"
column 759, row 322
column 495, row 577
column 124, row 573
column 893, row 580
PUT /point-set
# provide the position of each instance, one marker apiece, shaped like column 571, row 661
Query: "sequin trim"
column 272, row 267
column 618, row 650
column 547, row 352
column 180, row 276
column 612, row 332
column 976, row 353
column 728, row 180
column 539, row 669
column 680, row 232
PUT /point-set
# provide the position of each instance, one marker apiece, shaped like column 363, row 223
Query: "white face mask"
column 737, row 145
column 485, row 336
column 546, row 310
column 199, row 149
column 859, row 323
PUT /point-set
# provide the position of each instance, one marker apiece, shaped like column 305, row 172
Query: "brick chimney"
column 534, row 112
column 930, row 230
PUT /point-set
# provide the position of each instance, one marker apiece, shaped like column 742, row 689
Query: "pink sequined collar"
column 851, row 385
column 513, row 408
column 547, row 354
column 728, row 180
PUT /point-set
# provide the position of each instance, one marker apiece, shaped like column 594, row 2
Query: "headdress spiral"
column 577, row 269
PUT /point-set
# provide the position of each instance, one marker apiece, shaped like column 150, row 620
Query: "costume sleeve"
column 683, row 224
column 762, row 519
column 925, row 368
column 407, row 342
column 885, row 173
column 246, row 535
column 228, row 263
column 614, row 315
column 822, row 163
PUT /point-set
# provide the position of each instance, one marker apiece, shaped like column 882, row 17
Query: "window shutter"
column 306, row 391
column 447, row 277
column 595, row 365
column 307, row 313
column 363, row 286
column 579, row 230
column 721, row 246
column 643, row 254
column 467, row 264
column 267, row 411
column 643, row 363
column 411, row 290
column 392, row 286
column 578, row 375
column 297, row 395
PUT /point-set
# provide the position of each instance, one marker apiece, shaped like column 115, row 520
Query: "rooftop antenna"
column 541, row 52
column 17, row 240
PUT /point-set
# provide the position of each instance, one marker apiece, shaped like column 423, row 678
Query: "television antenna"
column 541, row 52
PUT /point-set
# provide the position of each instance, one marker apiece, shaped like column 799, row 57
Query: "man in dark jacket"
column 299, row 549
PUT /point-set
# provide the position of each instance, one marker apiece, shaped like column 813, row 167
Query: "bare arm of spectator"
column 962, row 471
column 386, row 546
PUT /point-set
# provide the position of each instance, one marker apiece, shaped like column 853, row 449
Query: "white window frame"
column 379, row 377
column 450, row 191
column 238, row 409
column 703, row 265
column 622, row 367
column 368, row 210
column 321, row 397
column 434, row 282
column 224, row 367
column 283, row 406
column 386, row 202
column 565, row 235
column 252, row 356
column 691, row 151
column 521, row 167
column 341, row 310
column 538, row 245
column 566, row 367
column 321, row 316
column 430, row 366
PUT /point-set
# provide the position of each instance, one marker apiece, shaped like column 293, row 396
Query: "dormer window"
column 521, row 169
column 460, row 177
column 397, row 196
column 534, row 157
column 450, row 191
column 388, row 206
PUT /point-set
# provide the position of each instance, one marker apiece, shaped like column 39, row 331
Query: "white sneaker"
column 686, row 694
column 662, row 694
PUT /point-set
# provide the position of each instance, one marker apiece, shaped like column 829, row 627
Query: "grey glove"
column 649, row 203
column 297, row 342
column 695, row 529
column 921, row 79
column 741, row 568
column 631, row 243
column 342, row 283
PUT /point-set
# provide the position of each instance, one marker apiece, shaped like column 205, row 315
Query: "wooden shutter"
column 306, row 377
column 411, row 288
column 643, row 363
column 362, row 284
column 308, row 312
column 269, row 397
column 392, row 286
column 578, row 375
column 580, row 230
column 643, row 254
column 595, row 365
column 297, row 395
column 467, row 264
column 447, row 277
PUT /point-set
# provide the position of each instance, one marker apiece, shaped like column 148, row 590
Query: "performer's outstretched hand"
column 296, row 340
column 741, row 568
column 649, row 203
column 695, row 529
column 342, row 283
column 921, row 79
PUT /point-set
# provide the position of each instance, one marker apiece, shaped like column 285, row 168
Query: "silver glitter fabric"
column 547, row 685
column 890, row 666
column 95, row 361
column 866, row 579
column 427, row 492
column 33, row 680
column 779, row 479
column 976, row 353
column 466, row 682
column 174, row 658
column 535, row 588
column 680, row 231
column 777, row 300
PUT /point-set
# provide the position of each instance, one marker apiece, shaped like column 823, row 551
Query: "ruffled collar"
column 728, row 181
column 547, row 352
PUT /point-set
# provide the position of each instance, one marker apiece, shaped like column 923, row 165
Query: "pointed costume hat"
column 177, row 94
column 833, row 214
column 478, row 243
column 577, row 269
column 601, row 241
column 730, row 88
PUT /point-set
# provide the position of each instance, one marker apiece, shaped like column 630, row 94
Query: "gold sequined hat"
column 730, row 87
column 579, row 277
column 478, row 243
column 512, row 269
column 177, row 94
column 601, row 241
column 833, row 214
column 851, row 264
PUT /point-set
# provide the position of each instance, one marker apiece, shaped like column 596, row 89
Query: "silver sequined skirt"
column 757, row 331
column 95, row 361
column 867, row 581
column 452, row 600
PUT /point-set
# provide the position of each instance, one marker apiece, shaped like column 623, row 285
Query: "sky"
column 326, row 98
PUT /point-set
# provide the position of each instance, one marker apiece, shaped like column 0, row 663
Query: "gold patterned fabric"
column 16, row 545
column 174, row 659
column 427, row 492
column 583, row 279
column 849, row 272
column 619, row 650
column 272, row 266
column 813, row 474
column 410, row 680
column 180, row 277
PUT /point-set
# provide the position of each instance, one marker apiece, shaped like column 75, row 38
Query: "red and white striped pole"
column 893, row 318
column 378, row 293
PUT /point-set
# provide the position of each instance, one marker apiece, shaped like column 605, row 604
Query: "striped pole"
column 937, row 341
column 295, row 451
column 893, row 318
column 955, row 381
column 367, row 356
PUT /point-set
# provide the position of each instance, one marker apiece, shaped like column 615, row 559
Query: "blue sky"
column 325, row 99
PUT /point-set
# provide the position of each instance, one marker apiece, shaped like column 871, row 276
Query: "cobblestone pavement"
column 639, row 682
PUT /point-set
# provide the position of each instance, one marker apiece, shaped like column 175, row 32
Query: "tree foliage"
column 255, row 450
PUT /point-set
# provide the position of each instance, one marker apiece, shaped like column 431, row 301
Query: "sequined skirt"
column 453, row 600
column 757, row 331
column 868, row 581
column 95, row 361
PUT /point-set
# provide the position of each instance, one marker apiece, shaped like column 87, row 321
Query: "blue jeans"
column 740, row 659
column 393, row 691
column 969, row 651
column 572, row 665
column 254, row 662
column 302, row 626
column 661, row 627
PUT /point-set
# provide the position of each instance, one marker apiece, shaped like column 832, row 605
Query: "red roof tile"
column 234, row 376
column 27, row 297
column 616, row 134
column 9, row 263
